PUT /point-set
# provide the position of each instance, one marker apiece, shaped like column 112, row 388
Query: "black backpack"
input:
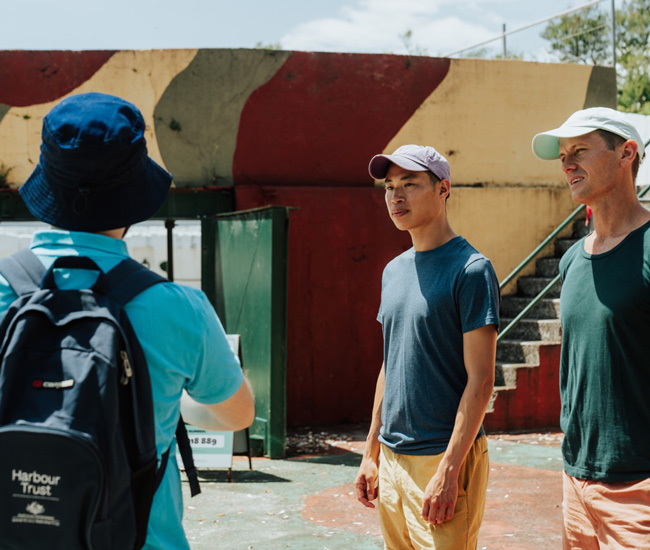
column 77, row 435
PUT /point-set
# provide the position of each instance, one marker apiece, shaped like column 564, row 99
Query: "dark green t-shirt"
column 605, row 366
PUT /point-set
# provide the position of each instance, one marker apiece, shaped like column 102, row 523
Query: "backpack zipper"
column 127, row 371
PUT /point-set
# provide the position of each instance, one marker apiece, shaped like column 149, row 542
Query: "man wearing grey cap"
column 426, row 452
column 605, row 313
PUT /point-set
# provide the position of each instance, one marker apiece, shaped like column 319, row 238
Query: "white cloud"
column 377, row 26
column 443, row 36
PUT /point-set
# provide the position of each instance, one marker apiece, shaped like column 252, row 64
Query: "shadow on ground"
column 240, row 476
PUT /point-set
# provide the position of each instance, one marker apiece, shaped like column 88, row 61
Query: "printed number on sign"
column 215, row 441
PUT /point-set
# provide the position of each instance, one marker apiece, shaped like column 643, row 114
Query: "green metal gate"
column 245, row 276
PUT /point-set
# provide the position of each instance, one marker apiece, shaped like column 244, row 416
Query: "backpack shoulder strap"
column 23, row 271
column 125, row 281
column 185, row 449
column 128, row 279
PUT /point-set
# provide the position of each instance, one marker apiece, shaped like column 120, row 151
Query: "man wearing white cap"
column 426, row 452
column 605, row 313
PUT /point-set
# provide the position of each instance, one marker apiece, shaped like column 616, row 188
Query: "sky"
column 437, row 27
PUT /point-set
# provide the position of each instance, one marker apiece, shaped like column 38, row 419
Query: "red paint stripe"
column 320, row 119
column 35, row 77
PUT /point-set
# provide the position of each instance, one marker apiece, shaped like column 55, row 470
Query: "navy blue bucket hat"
column 94, row 173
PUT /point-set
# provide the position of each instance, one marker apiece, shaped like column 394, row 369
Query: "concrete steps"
column 547, row 308
column 529, row 397
column 534, row 330
column 532, row 286
column 526, row 393
column 548, row 267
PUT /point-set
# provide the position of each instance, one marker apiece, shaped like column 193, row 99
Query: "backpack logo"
column 52, row 385
column 35, row 483
column 35, row 508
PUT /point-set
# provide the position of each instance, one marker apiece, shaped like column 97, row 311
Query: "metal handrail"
column 502, row 334
column 539, row 248
column 524, row 312
column 643, row 191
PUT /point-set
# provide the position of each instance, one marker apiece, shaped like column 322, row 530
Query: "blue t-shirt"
column 185, row 347
column 428, row 301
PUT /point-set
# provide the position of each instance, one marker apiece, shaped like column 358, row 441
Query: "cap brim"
column 546, row 146
column 379, row 164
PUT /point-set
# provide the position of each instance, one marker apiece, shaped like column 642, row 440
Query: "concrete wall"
column 507, row 223
column 296, row 118
column 298, row 129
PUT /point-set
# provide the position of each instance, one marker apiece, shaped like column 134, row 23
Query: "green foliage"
column 484, row 53
column 4, row 175
column 633, row 50
column 174, row 125
column 581, row 37
column 510, row 55
column 411, row 47
column 276, row 46
column 585, row 37
column 481, row 53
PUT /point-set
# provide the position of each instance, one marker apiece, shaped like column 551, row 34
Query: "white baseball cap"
column 546, row 146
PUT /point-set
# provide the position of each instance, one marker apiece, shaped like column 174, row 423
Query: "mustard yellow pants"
column 402, row 482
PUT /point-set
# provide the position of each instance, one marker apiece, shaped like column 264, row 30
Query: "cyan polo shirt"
column 185, row 347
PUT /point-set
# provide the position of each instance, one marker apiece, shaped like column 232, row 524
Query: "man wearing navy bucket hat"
column 93, row 181
column 94, row 173
column 426, row 453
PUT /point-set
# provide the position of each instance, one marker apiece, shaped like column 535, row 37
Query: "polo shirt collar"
column 57, row 238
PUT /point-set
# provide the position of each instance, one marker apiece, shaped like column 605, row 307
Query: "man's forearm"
column 233, row 414
column 479, row 347
column 372, row 441
column 469, row 418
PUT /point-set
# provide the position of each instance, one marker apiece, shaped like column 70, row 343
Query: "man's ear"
column 445, row 187
column 629, row 150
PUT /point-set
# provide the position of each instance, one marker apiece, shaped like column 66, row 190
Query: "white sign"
column 211, row 449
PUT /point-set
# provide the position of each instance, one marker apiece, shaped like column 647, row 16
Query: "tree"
column 633, row 49
column 581, row 37
column 585, row 37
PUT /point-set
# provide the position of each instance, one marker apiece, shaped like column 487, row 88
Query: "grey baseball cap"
column 417, row 158
column 546, row 146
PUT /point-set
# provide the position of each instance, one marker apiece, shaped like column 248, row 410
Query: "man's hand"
column 366, row 483
column 440, row 498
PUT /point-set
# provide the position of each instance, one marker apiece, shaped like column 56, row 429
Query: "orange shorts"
column 402, row 481
column 610, row 516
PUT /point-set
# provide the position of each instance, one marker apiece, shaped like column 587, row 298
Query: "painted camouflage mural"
column 298, row 129
column 229, row 117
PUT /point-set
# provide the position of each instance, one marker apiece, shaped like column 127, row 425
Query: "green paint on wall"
column 197, row 118
column 3, row 110
column 601, row 90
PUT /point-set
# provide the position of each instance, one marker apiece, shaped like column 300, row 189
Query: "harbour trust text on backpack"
column 77, row 437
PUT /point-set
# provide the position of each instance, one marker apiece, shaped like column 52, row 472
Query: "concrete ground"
column 307, row 501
